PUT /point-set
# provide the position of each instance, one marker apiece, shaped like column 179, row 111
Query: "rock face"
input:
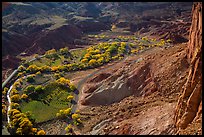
column 190, row 100
column 120, row 85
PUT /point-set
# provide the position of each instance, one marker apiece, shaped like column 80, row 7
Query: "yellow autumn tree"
column 84, row 60
column 75, row 116
column 41, row 132
column 92, row 62
column 15, row 98
column 24, row 96
column 70, row 97
column 50, row 52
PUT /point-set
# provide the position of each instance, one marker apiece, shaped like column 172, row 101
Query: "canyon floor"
column 163, row 70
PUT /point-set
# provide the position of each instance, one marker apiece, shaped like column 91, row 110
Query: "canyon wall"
column 189, row 105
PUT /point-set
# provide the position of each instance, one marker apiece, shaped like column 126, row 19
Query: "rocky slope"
column 139, row 97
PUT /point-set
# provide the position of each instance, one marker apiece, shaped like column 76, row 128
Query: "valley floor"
column 150, row 112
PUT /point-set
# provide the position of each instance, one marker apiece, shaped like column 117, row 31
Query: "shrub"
column 92, row 62
column 57, row 75
column 101, row 60
column 54, row 68
column 24, row 96
column 168, row 40
column 72, row 87
column 5, row 90
column 84, row 60
column 70, row 97
column 45, row 68
column 36, row 56
column 63, row 81
column 15, row 98
column 68, row 128
column 115, row 57
column 75, row 116
column 14, row 91
column 52, row 51
column 30, row 88
column 41, row 132
column 87, row 56
column 39, row 88
column 64, row 50
column 30, row 79
column 14, row 105
column 145, row 38
column 20, row 74
column 38, row 73
column 67, row 111
column 32, row 68
column 112, row 49
column 79, row 120
column 58, row 115
column 21, row 68
column 34, row 130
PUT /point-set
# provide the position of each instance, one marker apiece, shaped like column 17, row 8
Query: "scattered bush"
column 24, row 96
column 64, row 50
column 39, row 89
column 30, row 89
column 70, row 97
column 32, row 69
column 30, row 79
column 38, row 73
column 41, row 132
column 15, row 98
column 5, row 90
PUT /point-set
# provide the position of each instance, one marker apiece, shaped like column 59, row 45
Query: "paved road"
column 9, row 78
column 9, row 99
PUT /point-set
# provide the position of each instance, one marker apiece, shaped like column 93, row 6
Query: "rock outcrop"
column 190, row 102
column 120, row 85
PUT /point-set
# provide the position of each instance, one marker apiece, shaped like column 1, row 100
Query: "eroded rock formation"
column 190, row 102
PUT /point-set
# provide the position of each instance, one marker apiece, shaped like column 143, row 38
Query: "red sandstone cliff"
column 189, row 107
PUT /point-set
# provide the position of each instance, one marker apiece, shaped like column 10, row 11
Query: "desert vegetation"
column 41, row 86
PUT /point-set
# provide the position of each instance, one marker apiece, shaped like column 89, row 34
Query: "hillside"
column 32, row 29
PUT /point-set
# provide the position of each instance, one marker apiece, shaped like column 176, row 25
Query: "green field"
column 55, row 98
column 44, row 106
